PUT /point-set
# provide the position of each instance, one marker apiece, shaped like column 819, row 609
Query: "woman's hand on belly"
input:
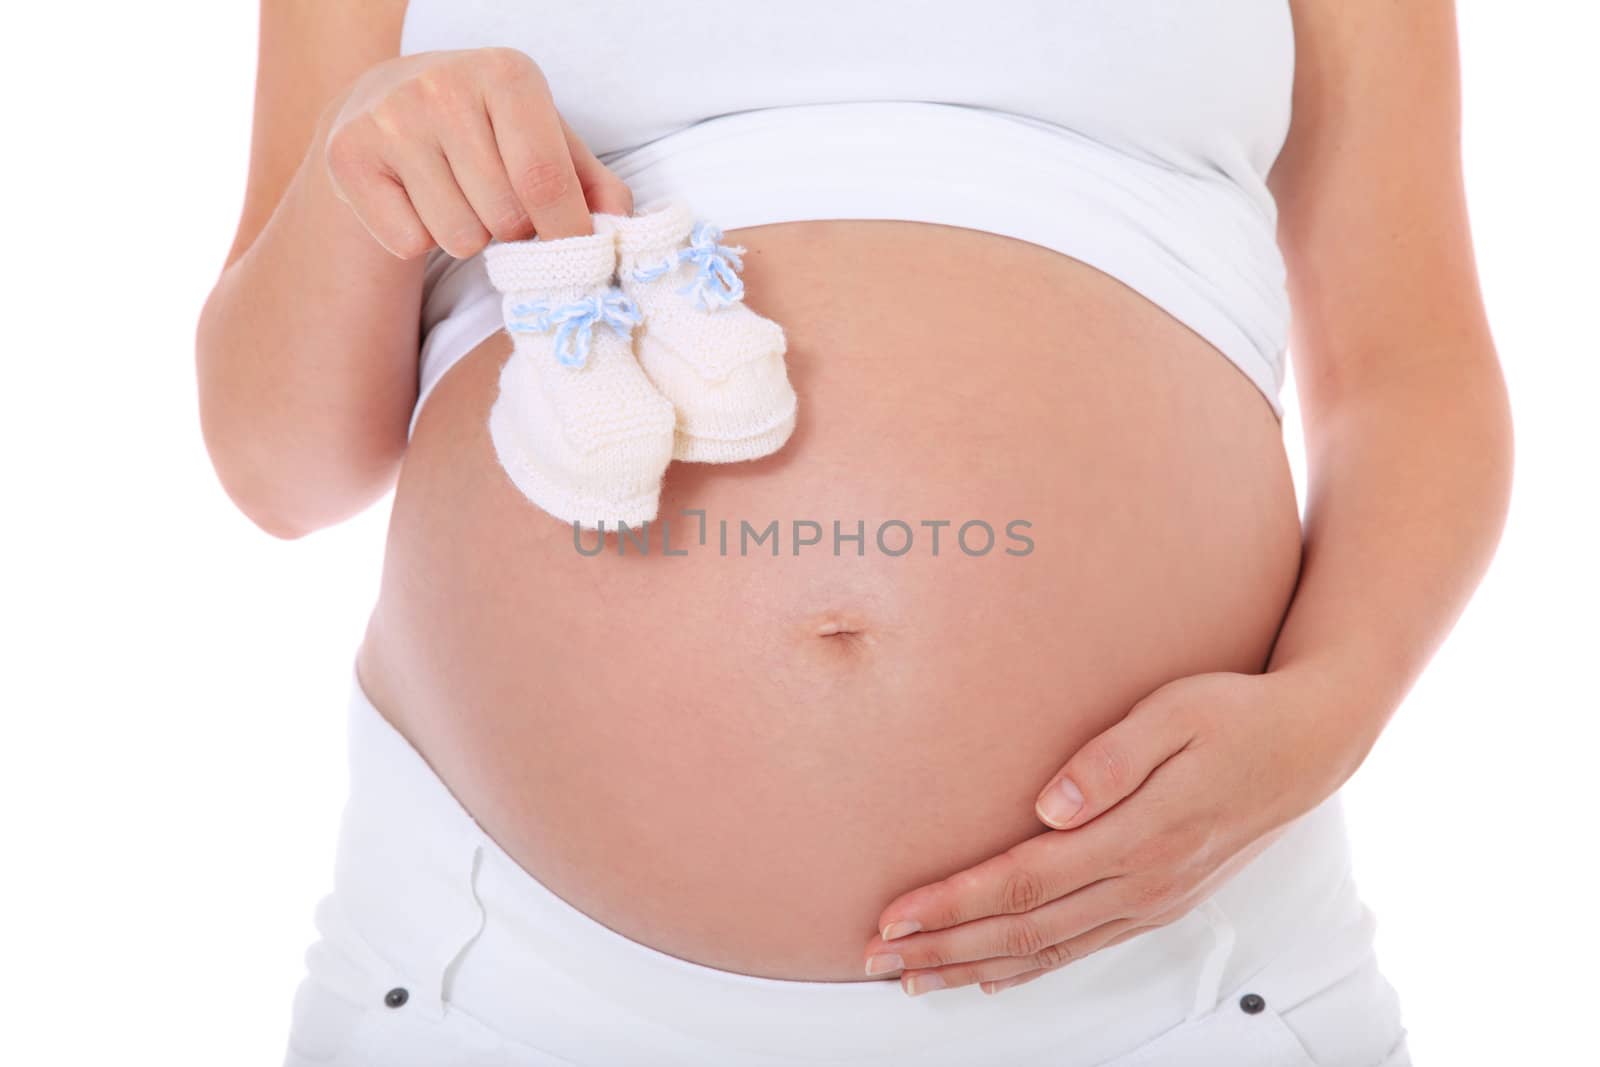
column 1177, row 796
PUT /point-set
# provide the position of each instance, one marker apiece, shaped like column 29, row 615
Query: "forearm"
column 306, row 361
column 1409, row 485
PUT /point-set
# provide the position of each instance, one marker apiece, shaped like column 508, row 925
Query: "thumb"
column 1113, row 763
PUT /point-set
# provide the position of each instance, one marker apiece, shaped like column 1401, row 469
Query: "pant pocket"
column 1240, row 1033
column 376, row 985
column 330, row 1031
column 1322, row 1002
column 1353, row 1022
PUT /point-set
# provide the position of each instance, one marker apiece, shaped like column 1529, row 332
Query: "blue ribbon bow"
column 574, row 323
column 716, row 282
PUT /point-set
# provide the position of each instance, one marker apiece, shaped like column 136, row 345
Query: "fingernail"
column 1060, row 803
column 919, row 984
column 900, row 928
column 884, row 961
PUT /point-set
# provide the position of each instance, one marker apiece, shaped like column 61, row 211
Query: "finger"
column 1002, row 968
column 1010, row 983
column 1112, row 764
column 474, row 157
column 1019, row 936
column 604, row 192
column 533, row 147
column 439, row 201
column 1020, row 879
column 375, row 194
column 384, row 207
column 1022, row 979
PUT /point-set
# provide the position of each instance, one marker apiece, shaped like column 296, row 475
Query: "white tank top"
column 1132, row 135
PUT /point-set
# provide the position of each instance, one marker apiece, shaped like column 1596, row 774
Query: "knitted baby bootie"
column 718, row 362
column 577, row 425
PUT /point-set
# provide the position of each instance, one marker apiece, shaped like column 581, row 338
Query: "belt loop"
column 1207, row 987
column 479, row 919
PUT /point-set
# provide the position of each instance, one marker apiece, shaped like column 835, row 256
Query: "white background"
column 172, row 684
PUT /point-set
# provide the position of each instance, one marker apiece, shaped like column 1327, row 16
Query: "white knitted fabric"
column 718, row 362
column 587, row 443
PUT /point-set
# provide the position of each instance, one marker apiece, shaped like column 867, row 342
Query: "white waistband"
column 463, row 924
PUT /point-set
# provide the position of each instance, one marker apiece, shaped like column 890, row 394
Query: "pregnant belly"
column 1050, row 499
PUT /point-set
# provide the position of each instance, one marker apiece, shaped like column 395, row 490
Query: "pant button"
column 1251, row 1003
column 396, row 997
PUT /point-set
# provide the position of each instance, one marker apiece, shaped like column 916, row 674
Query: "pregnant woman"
column 1001, row 715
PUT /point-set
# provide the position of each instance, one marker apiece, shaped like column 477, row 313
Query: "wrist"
column 1334, row 721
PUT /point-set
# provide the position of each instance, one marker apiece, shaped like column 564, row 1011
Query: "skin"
column 1404, row 408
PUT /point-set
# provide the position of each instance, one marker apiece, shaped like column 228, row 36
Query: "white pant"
column 438, row 950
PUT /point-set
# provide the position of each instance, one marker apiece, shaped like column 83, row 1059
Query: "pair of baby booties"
column 632, row 347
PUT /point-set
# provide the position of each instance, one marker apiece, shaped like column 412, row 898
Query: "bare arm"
column 1407, row 421
column 361, row 162
column 306, row 349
